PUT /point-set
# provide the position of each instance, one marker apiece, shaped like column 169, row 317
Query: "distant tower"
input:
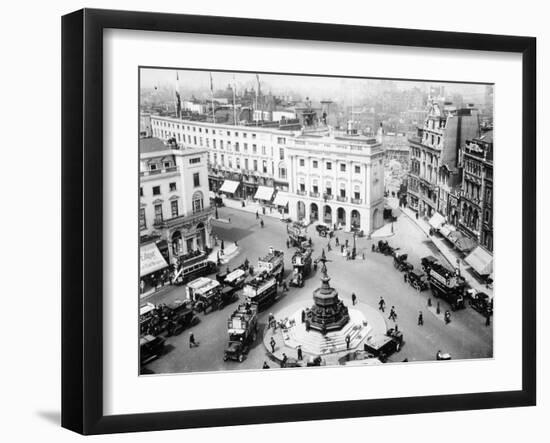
column 380, row 134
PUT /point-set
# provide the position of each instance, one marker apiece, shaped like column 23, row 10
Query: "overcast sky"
column 315, row 87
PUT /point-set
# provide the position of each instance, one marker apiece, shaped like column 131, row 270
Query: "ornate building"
column 434, row 172
column 174, row 210
column 336, row 178
column 476, row 195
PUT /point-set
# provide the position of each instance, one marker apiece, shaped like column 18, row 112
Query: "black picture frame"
column 82, row 219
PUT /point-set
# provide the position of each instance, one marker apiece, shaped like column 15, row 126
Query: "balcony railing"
column 314, row 194
column 328, row 196
column 342, row 199
column 159, row 171
column 357, row 201
column 300, row 192
column 193, row 218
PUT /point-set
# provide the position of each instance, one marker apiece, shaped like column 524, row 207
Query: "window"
column 237, row 148
column 245, row 134
column 342, row 190
column 263, row 150
column 174, row 208
column 194, row 160
column 356, row 195
column 228, row 133
column 238, row 162
column 255, row 165
column 195, row 139
column 254, row 149
column 342, row 167
column 221, row 144
column 315, row 188
column 200, row 129
column 173, row 186
column 329, row 189
column 196, row 180
column 281, row 154
column 236, row 134
column 329, row 165
column 156, row 190
column 264, row 167
column 357, row 169
column 281, row 140
column 302, row 162
column 197, row 202
column 153, row 167
column 282, row 172
column 302, row 187
column 315, row 164
column 245, row 163
column 158, row 213
column 254, row 136
column 214, row 143
column 229, row 146
column 141, row 192
column 142, row 221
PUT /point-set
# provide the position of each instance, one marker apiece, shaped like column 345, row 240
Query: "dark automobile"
column 150, row 348
column 228, row 295
column 418, row 280
column 182, row 317
column 482, row 303
column 400, row 262
column 322, row 230
column 385, row 248
column 382, row 346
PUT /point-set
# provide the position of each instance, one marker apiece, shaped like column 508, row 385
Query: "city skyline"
column 315, row 87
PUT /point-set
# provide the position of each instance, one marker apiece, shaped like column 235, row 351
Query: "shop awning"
column 481, row 260
column 264, row 193
column 462, row 242
column 150, row 259
column 446, row 230
column 437, row 220
column 229, row 186
column 281, row 199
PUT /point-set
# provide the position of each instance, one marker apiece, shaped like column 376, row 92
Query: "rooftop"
column 151, row 144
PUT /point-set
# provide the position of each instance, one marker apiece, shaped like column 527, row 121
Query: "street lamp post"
column 353, row 251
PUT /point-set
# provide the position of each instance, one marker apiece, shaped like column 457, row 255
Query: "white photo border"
column 125, row 392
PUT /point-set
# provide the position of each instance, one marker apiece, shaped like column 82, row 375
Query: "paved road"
column 465, row 337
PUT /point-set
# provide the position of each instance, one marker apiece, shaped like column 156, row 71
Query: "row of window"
column 172, row 186
column 328, row 190
column 197, row 205
column 328, row 165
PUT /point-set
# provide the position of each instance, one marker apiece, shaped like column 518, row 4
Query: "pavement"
column 451, row 254
column 370, row 278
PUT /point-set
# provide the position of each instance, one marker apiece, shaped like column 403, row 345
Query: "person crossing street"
column 393, row 314
column 420, row 319
column 381, row 304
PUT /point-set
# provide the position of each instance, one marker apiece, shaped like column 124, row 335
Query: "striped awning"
column 264, row 193
column 229, row 186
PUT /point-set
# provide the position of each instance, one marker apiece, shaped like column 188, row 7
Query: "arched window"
column 198, row 201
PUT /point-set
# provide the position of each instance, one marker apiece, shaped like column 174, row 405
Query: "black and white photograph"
column 300, row 221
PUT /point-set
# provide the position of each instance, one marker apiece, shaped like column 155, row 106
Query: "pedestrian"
column 381, row 304
column 337, row 241
column 257, row 215
column 487, row 320
column 285, row 287
column 416, row 215
column 393, row 314
column 348, row 340
column 287, row 243
column 265, row 366
column 272, row 343
column 228, row 219
column 299, row 353
column 192, row 342
column 429, row 301
column 447, row 317
column 284, row 360
column 309, row 241
column 342, row 249
column 303, row 316
column 236, row 243
column 373, row 248
column 222, row 247
column 262, row 223
column 353, row 298
column 420, row 318
column 328, row 246
column 263, row 210
column 347, row 243
column 405, row 277
column 438, row 309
